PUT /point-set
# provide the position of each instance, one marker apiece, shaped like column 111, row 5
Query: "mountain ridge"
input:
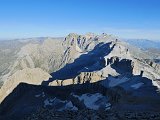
column 103, row 61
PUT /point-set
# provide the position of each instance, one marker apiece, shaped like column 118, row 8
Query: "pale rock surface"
column 83, row 77
column 27, row 75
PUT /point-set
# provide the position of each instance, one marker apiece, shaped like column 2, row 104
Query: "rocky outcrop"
column 153, row 64
column 119, row 60
column 89, row 77
column 86, row 114
column 27, row 75
column 84, row 77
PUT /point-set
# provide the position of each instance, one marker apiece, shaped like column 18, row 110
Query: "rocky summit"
column 78, row 77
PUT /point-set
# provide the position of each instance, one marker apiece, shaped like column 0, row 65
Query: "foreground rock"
column 45, row 114
column 28, row 75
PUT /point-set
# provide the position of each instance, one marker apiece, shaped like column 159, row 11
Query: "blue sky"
column 40, row 18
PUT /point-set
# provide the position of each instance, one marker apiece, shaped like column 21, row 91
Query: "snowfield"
column 94, row 101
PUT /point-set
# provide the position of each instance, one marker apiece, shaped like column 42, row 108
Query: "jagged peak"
column 90, row 35
column 72, row 35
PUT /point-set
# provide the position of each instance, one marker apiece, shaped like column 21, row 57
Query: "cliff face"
column 82, row 78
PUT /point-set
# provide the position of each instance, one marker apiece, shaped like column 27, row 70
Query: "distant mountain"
column 150, row 47
column 144, row 43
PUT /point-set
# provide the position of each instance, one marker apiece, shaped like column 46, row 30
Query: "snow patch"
column 112, row 81
column 65, row 105
column 155, row 84
column 108, row 106
column 43, row 95
column 91, row 101
column 136, row 86
column 86, row 68
column 47, row 102
column 40, row 95
column 70, row 106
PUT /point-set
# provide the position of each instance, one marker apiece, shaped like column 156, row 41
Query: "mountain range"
column 76, row 73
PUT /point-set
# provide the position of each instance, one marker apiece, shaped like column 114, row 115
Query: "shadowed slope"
column 96, row 56
column 26, row 99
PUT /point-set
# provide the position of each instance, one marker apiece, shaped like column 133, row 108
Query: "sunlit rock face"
column 27, row 75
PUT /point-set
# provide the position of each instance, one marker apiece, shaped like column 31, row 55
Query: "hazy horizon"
column 32, row 37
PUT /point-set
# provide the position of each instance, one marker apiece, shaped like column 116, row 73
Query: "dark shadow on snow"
column 22, row 100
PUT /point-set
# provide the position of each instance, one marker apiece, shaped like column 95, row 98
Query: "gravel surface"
column 45, row 114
